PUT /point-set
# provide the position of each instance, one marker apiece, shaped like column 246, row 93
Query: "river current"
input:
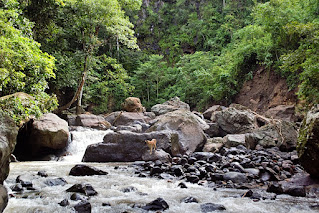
column 113, row 194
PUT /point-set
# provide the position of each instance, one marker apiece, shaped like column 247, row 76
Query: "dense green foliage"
column 23, row 66
column 201, row 51
column 278, row 34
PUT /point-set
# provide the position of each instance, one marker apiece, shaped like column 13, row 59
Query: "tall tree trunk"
column 78, row 93
column 224, row 3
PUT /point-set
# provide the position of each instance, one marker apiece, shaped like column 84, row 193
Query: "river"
column 121, row 176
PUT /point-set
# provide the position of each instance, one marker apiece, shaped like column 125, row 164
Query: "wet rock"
column 64, row 202
column 280, row 134
column 275, row 188
column 85, row 170
column 86, row 189
column 92, row 121
column 189, row 200
column 233, row 140
column 129, row 189
column 210, row 207
column 298, row 191
column 234, row 121
column 192, row 178
column 111, row 150
column 177, row 170
column 235, row 177
column 17, row 187
column 76, row 196
column 132, row 104
column 106, row 204
column 212, row 130
column 83, row 207
column 253, row 171
column 126, row 118
column 3, row 198
column 202, row 155
column 308, row 142
column 213, row 144
column 156, row 205
column 211, row 110
column 42, row 174
column 283, row 112
column 157, row 155
column 55, row 182
column 24, row 183
column 156, row 170
column 182, row 185
column 190, row 135
column 42, row 136
column 169, row 106
column 8, row 135
column 133, row 128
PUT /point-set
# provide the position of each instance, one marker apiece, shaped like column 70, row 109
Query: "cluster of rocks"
column 236, row 167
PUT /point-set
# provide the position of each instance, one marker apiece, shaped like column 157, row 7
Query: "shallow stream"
column 114, row 189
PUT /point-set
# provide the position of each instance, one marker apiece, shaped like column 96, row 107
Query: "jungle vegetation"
column 94, row 53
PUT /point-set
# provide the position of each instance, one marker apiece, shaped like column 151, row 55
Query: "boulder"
column 234, row 121
column 86, row 189
column 169, row 106
column 92, row 121
column 282, row 134
column 283, row 112
column 213, row 144
column 8, row 136
column 42, row 136
column 211, row 110
column 3, row 198
column 235, row 177
column 83, row 207
column 308, row 142
column 125, row 146
column 233, row 140
column 156, row 205
column 132, row 104
column 212, row 130
column 210, row 207
column 191, row 136
column 127, row 118
column 85, row 170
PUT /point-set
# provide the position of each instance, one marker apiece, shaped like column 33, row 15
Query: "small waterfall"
column 81, row 138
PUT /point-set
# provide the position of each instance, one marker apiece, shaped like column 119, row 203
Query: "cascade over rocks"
column 8, row 135
column 125, row 146
column 92, row 121
column 308, row 142
column 42, row 136
column 190, row 133
column 169, row 106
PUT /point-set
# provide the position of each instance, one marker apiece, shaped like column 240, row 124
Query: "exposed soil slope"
column 266, row 90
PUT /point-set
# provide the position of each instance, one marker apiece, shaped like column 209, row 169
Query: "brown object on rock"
column 132, row 104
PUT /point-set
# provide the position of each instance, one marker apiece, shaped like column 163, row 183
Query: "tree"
column 93, row 24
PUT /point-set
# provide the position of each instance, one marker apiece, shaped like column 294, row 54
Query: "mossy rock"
column 308, row 142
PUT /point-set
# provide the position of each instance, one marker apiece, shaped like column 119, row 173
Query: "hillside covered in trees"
column 99, row 52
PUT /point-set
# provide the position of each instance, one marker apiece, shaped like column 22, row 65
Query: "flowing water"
column 121, row 176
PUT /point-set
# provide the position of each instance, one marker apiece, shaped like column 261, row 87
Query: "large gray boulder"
column 283, row 112
column 191, row 137
column 121, row 118
column 308, row 142
column 39, row 137
column 125, row 146
column 235, row 121
column 277, row 133
column 211, row 110
column 92, row 121
column 169, row 106
column 8, row 136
